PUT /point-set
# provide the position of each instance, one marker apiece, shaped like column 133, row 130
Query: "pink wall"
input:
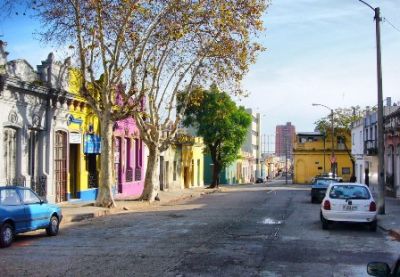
column 129, row 159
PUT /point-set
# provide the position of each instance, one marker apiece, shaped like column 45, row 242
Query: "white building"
column 252, row 144
column 357, row 149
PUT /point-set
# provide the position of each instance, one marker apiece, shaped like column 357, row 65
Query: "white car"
column 348, row 202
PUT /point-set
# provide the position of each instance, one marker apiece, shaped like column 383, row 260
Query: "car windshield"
column 323, row 182
column 349, row 192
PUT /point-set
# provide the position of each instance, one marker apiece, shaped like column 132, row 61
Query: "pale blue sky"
column 319, row 51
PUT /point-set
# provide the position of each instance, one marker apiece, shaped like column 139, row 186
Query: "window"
column 9, row 197
column 349, row 192
column 29, row 197
column 174, row 174
column 10, row 154
column 345, row 170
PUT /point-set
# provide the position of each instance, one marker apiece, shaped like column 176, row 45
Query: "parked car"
column 319, row 187
column 22, row 210
column 260, row 180
column 383, row 269
column 348, row 202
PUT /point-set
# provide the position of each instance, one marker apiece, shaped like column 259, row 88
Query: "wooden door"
column 60, row 165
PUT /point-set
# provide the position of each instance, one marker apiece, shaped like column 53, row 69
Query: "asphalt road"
column 255, row 230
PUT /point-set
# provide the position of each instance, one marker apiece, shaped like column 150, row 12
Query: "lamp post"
column 333, row 159
column 381, row 145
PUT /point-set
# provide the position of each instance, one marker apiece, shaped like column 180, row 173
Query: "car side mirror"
column 378, row 269
column 43, row 201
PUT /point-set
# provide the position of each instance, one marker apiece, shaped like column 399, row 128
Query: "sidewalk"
column 79, row 210
column 390, row 221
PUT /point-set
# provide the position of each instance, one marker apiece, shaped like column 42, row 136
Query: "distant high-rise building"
column 284, row 139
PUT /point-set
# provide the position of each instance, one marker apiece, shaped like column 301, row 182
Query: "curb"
column 73, row 218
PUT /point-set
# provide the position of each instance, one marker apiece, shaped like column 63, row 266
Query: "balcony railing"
column 138, row 174
column 370, row 147
column 129, row 175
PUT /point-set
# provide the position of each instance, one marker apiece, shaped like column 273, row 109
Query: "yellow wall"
column 193, row 154
column 80, row 110
column 309, row 160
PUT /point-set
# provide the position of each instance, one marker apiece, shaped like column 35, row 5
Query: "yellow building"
column 312, row 157
column 182, row 164
column 83, row 145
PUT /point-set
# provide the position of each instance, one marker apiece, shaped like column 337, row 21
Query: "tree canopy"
column 222, row 124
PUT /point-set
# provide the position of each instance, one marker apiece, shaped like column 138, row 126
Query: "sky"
column 318, row 51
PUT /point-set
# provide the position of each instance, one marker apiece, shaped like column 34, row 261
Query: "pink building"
column 128, row 159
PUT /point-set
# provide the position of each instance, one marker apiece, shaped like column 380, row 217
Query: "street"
column 255, row 230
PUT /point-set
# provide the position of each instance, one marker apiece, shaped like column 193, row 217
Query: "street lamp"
column 381, row 145
column 333, row 160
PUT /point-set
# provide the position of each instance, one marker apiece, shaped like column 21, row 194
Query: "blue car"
column 22, row 210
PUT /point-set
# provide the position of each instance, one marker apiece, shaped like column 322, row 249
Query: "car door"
column 36, row 210
column 12, row 208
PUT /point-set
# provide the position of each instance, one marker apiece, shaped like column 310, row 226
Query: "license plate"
column 349, row 208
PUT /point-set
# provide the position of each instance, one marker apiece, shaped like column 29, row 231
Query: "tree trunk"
column 216, row 170
column 106, row 180
column 152, row 182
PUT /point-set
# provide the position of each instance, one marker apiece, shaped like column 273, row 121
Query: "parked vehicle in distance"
column 348, row 202
column 383, row 269
column 259, row 180
column 22, row 210
column 319, row 187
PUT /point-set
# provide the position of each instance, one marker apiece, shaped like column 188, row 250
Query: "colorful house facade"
column 128, row 159
column 182, row 164
column 312, row 157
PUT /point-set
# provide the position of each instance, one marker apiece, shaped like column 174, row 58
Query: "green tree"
column 221, row 123
column 343, row 118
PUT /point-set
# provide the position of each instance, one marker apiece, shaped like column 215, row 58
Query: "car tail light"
column 372, row 207
column 327, row 205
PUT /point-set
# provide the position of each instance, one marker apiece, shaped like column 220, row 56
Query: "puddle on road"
column 271, row 221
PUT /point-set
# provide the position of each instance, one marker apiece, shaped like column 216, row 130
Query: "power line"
column 390, row 23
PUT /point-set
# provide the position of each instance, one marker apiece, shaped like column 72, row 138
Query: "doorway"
column 60, row 165
column 73, row 169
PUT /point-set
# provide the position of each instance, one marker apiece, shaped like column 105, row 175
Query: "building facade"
column 392, row 153
column 312, row 157
column 252, row 144
column 128, row 159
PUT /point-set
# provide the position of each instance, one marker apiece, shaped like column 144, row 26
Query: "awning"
column 92, row 144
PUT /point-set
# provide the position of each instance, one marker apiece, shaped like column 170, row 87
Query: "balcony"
column 370, row 147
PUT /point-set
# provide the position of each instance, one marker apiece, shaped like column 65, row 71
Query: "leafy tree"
column 343, row 118
column 221, row 123
column 156, row 48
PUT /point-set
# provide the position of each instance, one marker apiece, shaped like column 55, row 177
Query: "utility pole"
column 286, row 156
column 333, row 159
column 381, row 144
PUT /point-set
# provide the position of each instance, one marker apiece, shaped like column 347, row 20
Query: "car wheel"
column 373, row 226
column 325, row 223
column 54, row 224
column 7, row 235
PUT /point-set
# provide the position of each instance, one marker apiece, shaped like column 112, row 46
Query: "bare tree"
column 155, row 48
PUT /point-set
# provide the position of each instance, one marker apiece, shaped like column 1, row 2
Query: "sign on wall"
column 75, row 138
